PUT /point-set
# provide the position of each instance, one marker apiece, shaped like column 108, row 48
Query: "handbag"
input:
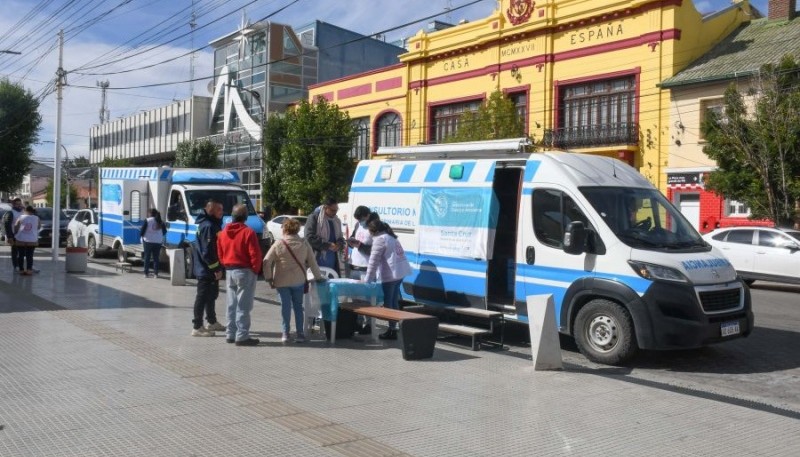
column 306, row 284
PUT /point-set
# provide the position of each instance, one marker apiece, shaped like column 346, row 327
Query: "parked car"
column 760, row 253
column 4, row 208
column 84, row 227
column 70, row 213
column 274, row 227
column 46, row 230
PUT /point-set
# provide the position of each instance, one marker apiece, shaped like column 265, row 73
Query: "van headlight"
column 652, row 272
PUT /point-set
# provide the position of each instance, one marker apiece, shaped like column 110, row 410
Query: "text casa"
column 460, row 63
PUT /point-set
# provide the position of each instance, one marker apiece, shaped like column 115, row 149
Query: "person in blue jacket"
column 207, row 269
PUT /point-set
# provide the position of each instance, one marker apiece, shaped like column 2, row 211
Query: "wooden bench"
column 417, row 332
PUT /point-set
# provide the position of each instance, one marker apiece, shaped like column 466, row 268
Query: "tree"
column 65, row 186
column 315, row 158
column 79, row 162
column 758, row 152
column 495, row 120
column 197, row 154
column 274, row 139
column 115, row 162
column 19, row 131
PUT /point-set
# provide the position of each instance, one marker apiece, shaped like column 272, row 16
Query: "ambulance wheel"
column 122, row 256
column 604, row 332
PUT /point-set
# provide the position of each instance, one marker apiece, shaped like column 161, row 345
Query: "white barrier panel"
column 177, row 267
column 545, row 345
column 76, row 259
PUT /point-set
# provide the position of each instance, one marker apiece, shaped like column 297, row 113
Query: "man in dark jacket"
column 207, row 269
column 9, row 219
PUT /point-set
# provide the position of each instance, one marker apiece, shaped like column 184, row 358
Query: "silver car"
column 760, row 253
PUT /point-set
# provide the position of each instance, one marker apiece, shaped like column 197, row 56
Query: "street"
column 762, row 370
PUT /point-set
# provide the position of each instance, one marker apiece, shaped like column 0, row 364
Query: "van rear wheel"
column 604, row 332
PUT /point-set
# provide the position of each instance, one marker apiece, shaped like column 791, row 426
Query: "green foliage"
column 79, row 162
column 274, row 138
column 315, row 159
column 758, row 152
column 496, row 119
column 19, row 131
column 197, row 154
column 115, row 162
column 73, row 193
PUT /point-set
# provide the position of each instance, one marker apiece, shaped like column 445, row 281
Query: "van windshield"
column 198, row 199
column 644, row 219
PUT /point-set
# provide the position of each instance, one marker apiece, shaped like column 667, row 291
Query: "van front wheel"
column 604, row 332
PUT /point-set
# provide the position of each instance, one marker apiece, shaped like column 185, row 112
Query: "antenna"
column 192, row 57
column 104, row 113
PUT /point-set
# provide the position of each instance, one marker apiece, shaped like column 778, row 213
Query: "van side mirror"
column 575, row 238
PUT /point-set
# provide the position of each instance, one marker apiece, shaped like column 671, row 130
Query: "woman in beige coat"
column 285, row 269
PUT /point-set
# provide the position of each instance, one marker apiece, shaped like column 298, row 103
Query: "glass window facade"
column 445, row 118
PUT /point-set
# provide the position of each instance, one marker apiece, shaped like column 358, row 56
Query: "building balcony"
column 595, row 135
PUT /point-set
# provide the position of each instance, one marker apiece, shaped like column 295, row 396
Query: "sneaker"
column 230, row 340
column 248, row 342
column 365, row 330
column 390, row 334
column 216, row 326
column 300, row 338
column 202, row 332
column 284, row 338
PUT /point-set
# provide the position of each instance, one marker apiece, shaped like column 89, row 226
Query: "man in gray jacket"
column 323, row 231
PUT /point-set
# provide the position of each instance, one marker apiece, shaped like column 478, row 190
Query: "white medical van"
column 486, row 224
column 179, row 194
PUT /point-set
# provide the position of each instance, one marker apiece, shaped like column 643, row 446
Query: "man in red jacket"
column 240, row 255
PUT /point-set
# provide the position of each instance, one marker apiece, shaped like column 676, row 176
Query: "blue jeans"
column 151, row 250
column 291, row 297
column 391, row 297
column 241, row 284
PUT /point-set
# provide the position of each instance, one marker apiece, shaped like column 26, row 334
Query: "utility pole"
column 66, row 173
column 61, row 81
column 192, row 25
column 104, row 114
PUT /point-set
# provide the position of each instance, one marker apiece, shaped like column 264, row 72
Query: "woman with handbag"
column 285, row 269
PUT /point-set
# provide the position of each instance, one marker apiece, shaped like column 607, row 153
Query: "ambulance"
column 179, row 194
column 487, row 224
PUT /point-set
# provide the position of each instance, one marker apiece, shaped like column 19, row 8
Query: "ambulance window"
column 552, row 213
column 175, row 210
column 136, row 209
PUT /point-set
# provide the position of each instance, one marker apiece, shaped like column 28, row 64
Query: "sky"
column 156, row 33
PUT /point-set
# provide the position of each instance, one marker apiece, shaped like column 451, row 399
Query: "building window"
column 598, row 113
column 360, row 149
column 735, row 208
column 715, row 106
column 389, row 130
column 520, row 100
column 445, row 119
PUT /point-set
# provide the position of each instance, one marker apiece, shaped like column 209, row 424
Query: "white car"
column 760, row 253
column 275, row 233
column 84, row 226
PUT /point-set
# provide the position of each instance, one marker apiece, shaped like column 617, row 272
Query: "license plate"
column 730, row 328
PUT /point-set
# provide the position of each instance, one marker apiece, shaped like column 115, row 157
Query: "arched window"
column 389, row 129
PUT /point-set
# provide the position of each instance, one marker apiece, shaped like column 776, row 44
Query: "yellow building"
column 584, row 73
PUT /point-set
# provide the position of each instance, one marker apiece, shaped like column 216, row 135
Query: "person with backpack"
column 153, row 232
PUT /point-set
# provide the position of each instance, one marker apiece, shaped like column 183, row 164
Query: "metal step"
column 475, row 312
column 472, row 332
column 505, row 309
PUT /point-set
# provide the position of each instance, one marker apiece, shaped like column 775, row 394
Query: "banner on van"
column 458, row 222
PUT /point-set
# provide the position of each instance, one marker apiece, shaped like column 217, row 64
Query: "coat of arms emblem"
column 520, row 11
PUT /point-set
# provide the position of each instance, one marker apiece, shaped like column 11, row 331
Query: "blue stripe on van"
column 468, row 167
column 490, row 174
column 434, row 261
column 361, row 172
column 408, row 171
column 434, row 172
column 385, row 189
column 531, row 167
column 566, row 275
